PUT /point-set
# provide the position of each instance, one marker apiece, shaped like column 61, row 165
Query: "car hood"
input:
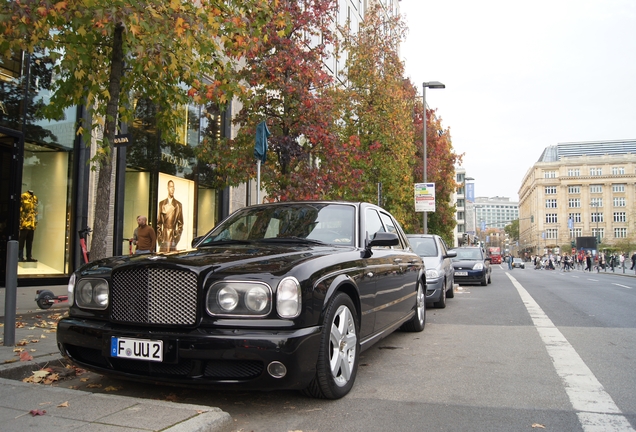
column 432, row 263
column 466, row 263
column 238, row 259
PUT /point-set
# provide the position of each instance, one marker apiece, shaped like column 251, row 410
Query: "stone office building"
column 579, row 189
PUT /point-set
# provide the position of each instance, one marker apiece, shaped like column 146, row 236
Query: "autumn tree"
column 106, row 53
column 440, row 169
column 378, row 109
column 290, row 89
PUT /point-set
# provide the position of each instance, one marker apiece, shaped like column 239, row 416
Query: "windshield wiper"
column 292, row 239
column 224, row 242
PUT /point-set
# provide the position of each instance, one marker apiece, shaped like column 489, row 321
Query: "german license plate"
column 461, row 273
column 136, row 349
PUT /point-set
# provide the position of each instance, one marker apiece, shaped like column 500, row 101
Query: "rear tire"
column 339, row 352
column 44, row 299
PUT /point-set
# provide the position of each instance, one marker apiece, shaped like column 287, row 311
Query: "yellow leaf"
column 175, row 5
column 537, row 425
column 63, row 405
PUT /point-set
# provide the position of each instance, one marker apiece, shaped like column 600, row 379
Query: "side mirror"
column 384, row 239
column 379, row 239
column 450, row 254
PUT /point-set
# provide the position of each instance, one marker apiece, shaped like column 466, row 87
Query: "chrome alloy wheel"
column 342, row 345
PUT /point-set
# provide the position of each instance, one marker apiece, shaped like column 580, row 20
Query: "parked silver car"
column 439, row 268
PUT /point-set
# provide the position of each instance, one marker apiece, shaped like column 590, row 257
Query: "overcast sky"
column 523, row 75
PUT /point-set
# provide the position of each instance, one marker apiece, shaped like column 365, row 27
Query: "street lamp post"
column 596, row 205
column 433, row 85
column 467, row 179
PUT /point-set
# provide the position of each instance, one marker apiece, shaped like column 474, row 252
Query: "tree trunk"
column 99, row 245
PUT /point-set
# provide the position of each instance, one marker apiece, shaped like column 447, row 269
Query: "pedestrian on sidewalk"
column 146, row 237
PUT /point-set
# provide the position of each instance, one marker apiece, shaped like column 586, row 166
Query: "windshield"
column 327, row 223
column 468, row 254
column 424, row 246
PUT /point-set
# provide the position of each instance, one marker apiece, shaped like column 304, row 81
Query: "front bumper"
column 434, row 290
column 473, row 276
column 211, row 358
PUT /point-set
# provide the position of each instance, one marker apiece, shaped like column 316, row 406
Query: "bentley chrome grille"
column 154, row 296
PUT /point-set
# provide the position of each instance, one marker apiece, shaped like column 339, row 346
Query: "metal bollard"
column 10, row 293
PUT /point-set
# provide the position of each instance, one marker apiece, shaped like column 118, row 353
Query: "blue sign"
column 470, row 192
column 483, row 225
column 570, row 223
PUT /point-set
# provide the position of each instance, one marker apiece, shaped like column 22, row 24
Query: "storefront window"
column 45, row 191
column 163, row 181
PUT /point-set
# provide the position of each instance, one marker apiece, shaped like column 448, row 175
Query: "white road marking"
column 593, row 280
column 595, row 408
column 622, row 286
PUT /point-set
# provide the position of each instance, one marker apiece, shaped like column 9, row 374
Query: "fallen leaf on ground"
column 25, row 356
column 35, row 340
column 21, row 343
column 37, row 412
column 84, row 379
column 112, row 388
column 94, row 386
column 537, row 425
column 63, row 405
column 11, row 361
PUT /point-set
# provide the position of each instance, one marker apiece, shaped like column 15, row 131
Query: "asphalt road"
column 535, row 350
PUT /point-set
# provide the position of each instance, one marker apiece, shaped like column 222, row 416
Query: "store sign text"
column 174, row 160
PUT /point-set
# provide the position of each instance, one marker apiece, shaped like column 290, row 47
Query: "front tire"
column 450, row 293
column 417, row 323
column 441, row 304
column 339, row 352
column 484, row 280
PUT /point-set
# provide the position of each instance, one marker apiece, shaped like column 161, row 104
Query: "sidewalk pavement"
column 57, row 408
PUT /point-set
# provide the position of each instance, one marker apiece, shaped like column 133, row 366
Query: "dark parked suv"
column 471, row 265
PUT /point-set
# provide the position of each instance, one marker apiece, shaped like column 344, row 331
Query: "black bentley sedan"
column 277, row 296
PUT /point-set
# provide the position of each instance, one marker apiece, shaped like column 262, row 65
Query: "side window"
column 442, row 247
column 373, row 223
column 392, row 226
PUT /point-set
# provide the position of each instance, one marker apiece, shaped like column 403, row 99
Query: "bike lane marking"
column 594, row 407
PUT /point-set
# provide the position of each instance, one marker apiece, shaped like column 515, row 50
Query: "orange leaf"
column 25, row 356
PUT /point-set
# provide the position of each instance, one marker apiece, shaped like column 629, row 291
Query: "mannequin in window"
column 28, row 223
column 169, row 221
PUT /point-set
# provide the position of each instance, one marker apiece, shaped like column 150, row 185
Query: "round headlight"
column 85, row 294
column 100, row 294
column 256, row 299
column 227, row 298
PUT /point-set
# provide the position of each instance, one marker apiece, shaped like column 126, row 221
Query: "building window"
column 460, row 215
column 620, row 232
column 576, row 217
column 619, row 201
column 574, row 172
column 550, row 190
column 618, row 170
column 596, row 202
column 596, row 171
column 596, row 188
column 574, row 202
column 574, row 189
column 460, row 228
column 618, row 188
column 596, row 217
column 620, row 217
column 551, row 218
column 576, row 232
column 550, row 203
column 598, row 233
column 552, row 233
column 460, row 203
column 549, row 174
